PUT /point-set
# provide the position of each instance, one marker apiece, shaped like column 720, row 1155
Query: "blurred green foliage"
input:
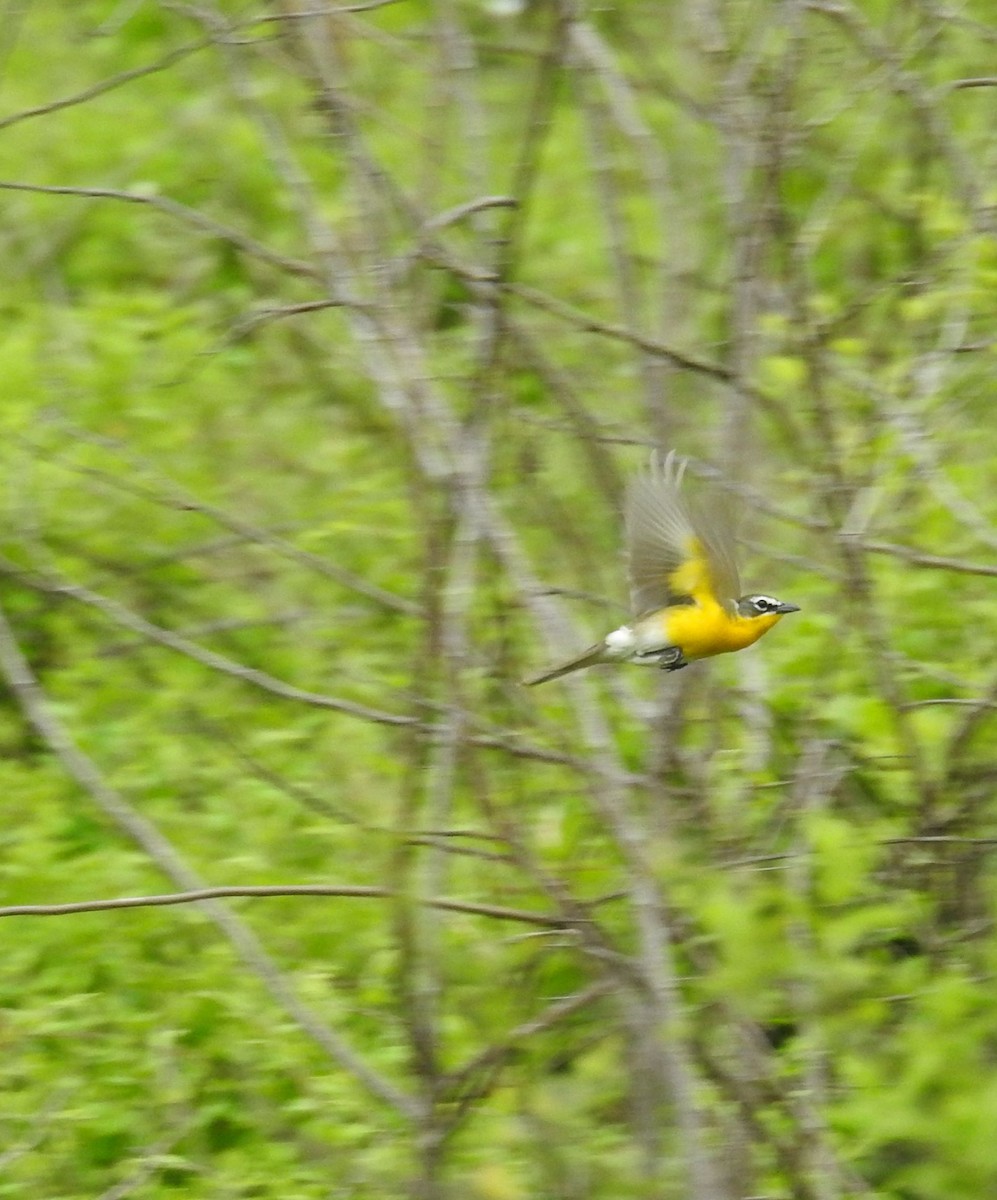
column 229, row 477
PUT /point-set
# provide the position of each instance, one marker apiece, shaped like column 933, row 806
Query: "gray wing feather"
column 659, row 529
column 717, row 531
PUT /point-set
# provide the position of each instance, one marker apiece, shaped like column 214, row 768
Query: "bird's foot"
column 673, row 662
column 669, row 659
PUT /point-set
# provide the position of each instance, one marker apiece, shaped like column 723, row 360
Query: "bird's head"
column 751, row 607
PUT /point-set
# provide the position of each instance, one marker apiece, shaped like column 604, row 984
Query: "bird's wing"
column 674, row 553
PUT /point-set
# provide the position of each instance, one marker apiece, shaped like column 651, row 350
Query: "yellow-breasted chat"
column 685, row 591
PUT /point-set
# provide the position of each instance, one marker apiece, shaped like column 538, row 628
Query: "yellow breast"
column 701, row 630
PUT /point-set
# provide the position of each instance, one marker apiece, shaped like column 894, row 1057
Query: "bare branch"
column 343, row 891
column 80, row 768
column 180, row 212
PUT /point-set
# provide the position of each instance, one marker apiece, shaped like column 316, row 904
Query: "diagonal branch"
column 78, row 766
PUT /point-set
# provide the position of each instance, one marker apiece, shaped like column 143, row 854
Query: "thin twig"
column 40, row 715
column 343, row 891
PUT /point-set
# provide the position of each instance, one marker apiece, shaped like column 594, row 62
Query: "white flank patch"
column 620, row 642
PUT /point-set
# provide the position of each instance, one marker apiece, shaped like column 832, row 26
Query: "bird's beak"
column 788, row 608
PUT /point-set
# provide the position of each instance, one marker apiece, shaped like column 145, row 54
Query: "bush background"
column 329, row 340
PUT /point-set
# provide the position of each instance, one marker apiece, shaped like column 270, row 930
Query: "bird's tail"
column 594, row 654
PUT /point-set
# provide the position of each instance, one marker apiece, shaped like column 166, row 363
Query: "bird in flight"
column 685, row 592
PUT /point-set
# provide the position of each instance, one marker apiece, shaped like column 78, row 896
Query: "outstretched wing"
column 674, row 553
